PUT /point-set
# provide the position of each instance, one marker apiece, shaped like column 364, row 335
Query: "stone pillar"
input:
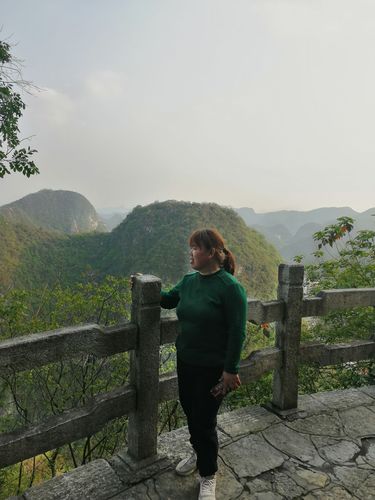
column 144, row 366
column 288, row 334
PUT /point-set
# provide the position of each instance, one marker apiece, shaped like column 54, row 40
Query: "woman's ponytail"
column 229, row 262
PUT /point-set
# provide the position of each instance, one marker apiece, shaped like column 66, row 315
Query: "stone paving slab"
column 293, row 443
column 368, row 389
column 251, row 455
column 324, row 451
column 245, row 420
column 85, row 481
column 176, row 444
column 341, row 399
column 327, row 424
column 138, row 492
column 336, row 451
column 310, row 405
column 358, row 421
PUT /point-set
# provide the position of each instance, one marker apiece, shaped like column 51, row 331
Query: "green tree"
column 352, row 266
column 13, row 158
column 342, row 261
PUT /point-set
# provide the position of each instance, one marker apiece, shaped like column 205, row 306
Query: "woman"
column 211, row 306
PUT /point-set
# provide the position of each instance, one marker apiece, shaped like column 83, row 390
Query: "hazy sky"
column 268, row 104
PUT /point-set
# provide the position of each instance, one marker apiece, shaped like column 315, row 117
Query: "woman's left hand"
column 231, row 381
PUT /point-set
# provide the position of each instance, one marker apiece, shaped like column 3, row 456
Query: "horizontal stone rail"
column 260, row 362
column 346, row 298
column 66, row 427
column 265, row 311
column 333, row 354
column 39, row 349
column 169, row 329
column 334, row 300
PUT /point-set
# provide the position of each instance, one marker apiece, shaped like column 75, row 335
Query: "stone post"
column 288, row 334
column 144, row 366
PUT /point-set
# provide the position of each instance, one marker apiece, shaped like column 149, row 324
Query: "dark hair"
column 212, row 239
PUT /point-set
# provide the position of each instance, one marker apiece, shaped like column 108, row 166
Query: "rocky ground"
column 325, row 451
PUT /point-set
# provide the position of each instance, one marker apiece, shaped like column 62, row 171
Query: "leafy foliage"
column 351, row 264
column 12, row 157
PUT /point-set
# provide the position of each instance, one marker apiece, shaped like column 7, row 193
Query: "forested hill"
column 152, row 239
column 60, row 210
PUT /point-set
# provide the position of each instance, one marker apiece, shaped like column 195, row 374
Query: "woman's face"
column 200, row 257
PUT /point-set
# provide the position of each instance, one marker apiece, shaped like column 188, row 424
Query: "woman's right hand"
column 231, row 381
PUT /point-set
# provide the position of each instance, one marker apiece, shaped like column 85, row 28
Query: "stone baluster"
column 288, row 334
column 144, row 366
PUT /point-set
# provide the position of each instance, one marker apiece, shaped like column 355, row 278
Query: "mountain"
column 64, row 211
column 291, row 231
column 152, row 239
column 294, row 219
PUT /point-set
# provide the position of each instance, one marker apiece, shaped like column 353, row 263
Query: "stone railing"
column 144, row 334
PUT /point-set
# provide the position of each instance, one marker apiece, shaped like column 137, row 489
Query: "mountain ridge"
column 291, row 231
column 61, row 210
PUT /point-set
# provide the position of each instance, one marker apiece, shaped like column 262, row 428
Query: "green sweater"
column 212, row 312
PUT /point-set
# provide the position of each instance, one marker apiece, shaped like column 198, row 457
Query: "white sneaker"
column 207, row 487
column 187, row 465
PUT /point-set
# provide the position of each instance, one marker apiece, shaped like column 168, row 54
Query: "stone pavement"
column 325, row 451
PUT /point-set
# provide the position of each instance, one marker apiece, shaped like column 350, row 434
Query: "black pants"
column 200, row 407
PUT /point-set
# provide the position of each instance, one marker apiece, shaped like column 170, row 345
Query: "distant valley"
column 290, row 231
